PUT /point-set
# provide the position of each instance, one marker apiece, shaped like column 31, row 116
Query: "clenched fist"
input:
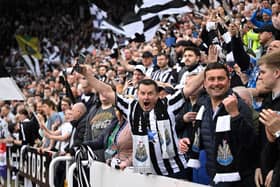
column 231, row 105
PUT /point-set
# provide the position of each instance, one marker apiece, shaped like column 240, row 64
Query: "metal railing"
column 53, row 163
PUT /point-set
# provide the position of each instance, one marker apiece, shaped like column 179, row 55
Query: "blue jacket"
column 258, row 23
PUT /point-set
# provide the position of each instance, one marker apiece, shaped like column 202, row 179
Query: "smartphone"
column 231, row 64
column 130, row 82
column 81, row 59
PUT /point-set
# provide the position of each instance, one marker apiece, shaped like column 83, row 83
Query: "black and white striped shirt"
column 174, row 103
column 130, row 92
column 187, row 72
column 163, row 76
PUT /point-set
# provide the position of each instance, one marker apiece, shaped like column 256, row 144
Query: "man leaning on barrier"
column 77, row 113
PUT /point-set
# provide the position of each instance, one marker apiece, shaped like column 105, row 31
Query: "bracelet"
column 277, row 134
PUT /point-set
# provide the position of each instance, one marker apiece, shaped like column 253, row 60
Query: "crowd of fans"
column 75, row 104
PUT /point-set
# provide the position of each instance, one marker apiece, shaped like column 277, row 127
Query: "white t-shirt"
column 64, row 128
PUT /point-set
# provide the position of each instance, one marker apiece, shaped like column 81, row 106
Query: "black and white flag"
column 139, row 17
column 32, row 64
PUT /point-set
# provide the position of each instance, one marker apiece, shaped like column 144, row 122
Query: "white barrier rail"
column 36, row 166
column 100, row 173
column 52, row 165
column 71, row 170
column 70, row 174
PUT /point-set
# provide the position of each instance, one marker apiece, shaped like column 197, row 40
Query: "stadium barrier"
column 53, row 163
column 12, row 159
column 101, row 175
column 32, row 165
column 39, row 168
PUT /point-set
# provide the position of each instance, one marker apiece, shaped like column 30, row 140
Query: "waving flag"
column 29, row 46
column 132, row 18
column 30, row 51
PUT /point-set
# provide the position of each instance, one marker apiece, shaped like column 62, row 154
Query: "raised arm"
column 98, row 85
column 127, row 66
column 239, row 53
column 193, row 85
column 197, row 81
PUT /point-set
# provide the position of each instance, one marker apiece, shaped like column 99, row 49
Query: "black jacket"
column 182, row 128
column 242, row 137
column 79, row 127
column 240, row 56
column 270, row 156
column 29, row 132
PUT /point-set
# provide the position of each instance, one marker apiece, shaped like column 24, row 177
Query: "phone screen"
column 81, row 58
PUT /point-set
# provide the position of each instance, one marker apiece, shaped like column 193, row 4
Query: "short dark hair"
column 147, row 54
column 7, row 107
column 149, row 82
column 217, row 65
column 67, row 100
column 194, row 49
column 23, row 111
column 50, row 103
column 163, row 54
column 11, row 127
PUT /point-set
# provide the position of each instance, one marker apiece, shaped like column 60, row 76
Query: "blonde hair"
column 272, row 60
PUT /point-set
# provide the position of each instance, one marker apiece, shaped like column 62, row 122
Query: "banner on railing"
column 33, row 165
column 13, row 156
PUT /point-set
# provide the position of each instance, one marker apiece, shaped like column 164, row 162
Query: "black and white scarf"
column 144, row 136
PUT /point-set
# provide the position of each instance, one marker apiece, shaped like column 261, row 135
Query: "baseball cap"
column 141, row 69
column 147, row 54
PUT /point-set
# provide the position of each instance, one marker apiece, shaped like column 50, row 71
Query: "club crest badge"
column 161, row 141
column 224, row 156
column 195, row 146
column 141, row 152
column 167, row 136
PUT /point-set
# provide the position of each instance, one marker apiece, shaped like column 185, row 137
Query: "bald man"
column 77, row 118
column 78, row 114
column 273, row 46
